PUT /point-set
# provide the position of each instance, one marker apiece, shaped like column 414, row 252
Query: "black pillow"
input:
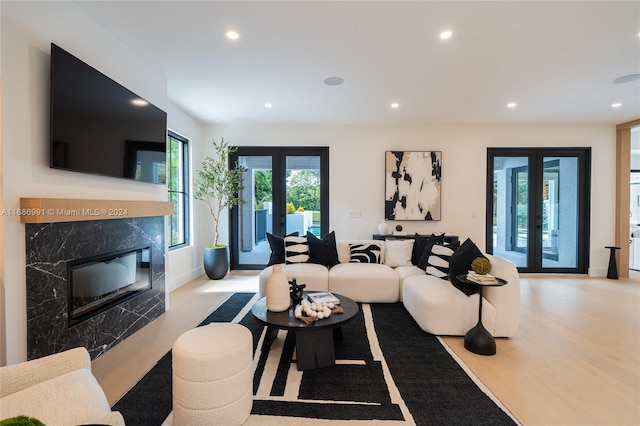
column 460, row 263
column 419, row 244
column 422, row 248
column 323, row 251
column 277, row 248
column 439, row 238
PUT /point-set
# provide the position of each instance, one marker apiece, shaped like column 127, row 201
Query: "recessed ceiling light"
column 512, row 105
column 139, row 102
column 268, row 105
column 446, row 35
column 395, row 105
column 333, row 81
column 627, row 78
column 233, row 35
column 616, row 105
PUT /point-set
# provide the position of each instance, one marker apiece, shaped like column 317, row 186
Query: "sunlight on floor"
column 235, row 281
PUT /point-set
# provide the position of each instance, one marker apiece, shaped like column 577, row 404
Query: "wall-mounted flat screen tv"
column 101, row 127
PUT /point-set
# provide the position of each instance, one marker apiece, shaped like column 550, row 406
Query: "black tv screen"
column 101, row 127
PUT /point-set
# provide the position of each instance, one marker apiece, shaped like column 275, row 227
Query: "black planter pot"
column 216, row 262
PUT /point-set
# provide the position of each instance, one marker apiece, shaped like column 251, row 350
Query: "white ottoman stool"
column 213, row 375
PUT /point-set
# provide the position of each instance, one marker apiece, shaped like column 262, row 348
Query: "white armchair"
column 57, row 389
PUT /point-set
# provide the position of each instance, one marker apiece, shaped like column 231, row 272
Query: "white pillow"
column 296, row 249
column 398, row 252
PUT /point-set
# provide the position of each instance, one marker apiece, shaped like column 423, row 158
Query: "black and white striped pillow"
column 296, row 249
column 364, row 253
column 438, row 261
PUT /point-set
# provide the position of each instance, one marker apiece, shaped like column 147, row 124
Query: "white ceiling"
column 557, row 60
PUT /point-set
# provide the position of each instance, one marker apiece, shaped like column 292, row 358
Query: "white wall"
column 185, row 264
column 356, row 176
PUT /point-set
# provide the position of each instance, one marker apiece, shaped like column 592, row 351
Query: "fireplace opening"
column 99, row 282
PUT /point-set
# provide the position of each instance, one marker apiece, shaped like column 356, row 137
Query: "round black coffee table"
column 314, row 342
column 478, row 340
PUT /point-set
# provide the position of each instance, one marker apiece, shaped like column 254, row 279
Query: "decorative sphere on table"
column 481, row 265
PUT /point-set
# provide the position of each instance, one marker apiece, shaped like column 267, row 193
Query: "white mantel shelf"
column 47, row 210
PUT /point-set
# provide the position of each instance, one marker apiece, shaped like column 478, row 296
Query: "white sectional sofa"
column 437, row 306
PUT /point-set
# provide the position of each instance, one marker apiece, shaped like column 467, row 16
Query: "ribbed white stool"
column 213, row 375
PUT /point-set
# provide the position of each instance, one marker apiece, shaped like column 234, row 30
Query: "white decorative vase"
column 383, row 228
column 277, row 292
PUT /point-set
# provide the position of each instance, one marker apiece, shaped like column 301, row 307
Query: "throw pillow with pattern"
column 296, row 249
column 276, row 244
column 364, row 253
column 438, row 260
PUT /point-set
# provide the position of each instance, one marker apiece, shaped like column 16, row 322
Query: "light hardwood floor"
column 574, row 361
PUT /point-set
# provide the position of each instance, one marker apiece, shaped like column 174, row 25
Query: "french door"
column 286, row 190
column 538, row 208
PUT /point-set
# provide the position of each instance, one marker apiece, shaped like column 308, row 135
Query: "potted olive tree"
column 219, row 186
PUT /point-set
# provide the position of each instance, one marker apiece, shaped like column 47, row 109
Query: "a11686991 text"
column 113, row 212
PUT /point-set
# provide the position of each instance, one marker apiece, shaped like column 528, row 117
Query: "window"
column 178, row 184
column 540, row 217
column 287, row 189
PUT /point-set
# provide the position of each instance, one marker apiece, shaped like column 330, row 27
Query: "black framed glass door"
column 539, row 216
column 287, row 190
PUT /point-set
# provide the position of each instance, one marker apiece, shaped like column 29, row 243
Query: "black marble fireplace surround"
column 50, row 246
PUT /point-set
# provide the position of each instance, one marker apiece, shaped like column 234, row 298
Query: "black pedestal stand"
column 612, row 272
column 478, row 340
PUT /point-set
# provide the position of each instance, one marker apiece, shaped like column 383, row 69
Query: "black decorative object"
column 612, row 272
column 478, row 340
column 296, row 290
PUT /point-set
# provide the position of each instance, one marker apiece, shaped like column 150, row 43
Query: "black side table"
column 612, row 272
column 478, row 340
column 314, row 342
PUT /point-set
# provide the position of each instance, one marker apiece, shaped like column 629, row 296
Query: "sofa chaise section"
column 441, row 309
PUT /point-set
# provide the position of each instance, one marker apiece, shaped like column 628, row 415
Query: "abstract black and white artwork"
column 412, row 185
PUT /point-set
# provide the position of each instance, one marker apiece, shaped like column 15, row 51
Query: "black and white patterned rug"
column 387, row 370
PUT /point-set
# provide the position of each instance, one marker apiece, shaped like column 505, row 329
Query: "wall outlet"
column 354, row 213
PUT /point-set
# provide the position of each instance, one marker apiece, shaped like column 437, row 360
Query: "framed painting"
column 412, row 185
